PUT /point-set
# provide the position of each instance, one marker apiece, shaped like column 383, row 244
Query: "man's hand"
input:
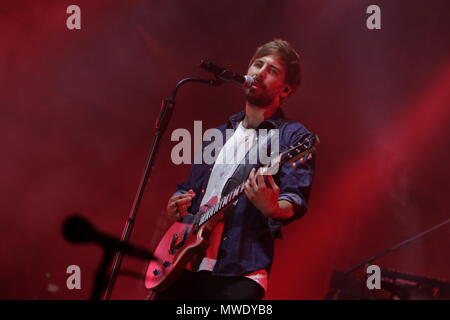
column 177, row 205
column 265, row 198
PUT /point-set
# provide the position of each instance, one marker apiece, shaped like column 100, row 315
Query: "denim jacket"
column 248, row 238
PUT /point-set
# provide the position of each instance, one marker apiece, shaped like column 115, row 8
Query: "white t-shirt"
column 230, row 157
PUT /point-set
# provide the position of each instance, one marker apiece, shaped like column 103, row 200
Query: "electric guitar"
column 184, row 242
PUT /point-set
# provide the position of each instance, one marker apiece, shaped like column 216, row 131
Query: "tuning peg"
column 296, row 163
column 302, row 160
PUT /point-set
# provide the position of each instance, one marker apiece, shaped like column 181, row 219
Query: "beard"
column 262, row 99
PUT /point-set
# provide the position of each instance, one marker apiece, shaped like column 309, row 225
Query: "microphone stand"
column 100, row 273
column 77, row 229
column 168, row 104
column 340, row 277
column 397, row 246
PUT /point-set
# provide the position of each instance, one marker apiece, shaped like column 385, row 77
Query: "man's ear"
column 286, row 92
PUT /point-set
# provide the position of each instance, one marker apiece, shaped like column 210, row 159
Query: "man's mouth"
column 258, row 84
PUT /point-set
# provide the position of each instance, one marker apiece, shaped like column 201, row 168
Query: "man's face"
column 269, row 73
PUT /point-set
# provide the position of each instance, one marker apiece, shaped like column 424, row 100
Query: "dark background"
column 78, row 110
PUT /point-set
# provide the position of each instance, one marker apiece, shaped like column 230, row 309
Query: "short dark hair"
column 290, row 58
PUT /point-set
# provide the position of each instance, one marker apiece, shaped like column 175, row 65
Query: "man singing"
column 237, row 263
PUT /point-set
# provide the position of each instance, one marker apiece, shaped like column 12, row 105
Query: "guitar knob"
column 166, row 264
column 156, row 272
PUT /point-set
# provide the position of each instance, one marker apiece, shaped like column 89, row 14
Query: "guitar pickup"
column 173, row 244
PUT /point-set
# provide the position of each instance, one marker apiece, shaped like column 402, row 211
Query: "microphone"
column 227, row 75
column 78, row 230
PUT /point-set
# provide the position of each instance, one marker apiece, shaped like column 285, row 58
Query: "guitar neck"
column 224, row 201
column 301, row 150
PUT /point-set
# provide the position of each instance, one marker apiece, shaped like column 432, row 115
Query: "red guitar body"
column 179, row 246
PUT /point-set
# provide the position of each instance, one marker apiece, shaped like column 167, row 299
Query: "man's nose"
column 262, row 73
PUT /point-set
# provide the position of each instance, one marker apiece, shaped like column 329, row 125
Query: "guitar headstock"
column 301, row 151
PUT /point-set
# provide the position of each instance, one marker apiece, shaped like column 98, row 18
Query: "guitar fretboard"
column 224, row 201
column 302, row 149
